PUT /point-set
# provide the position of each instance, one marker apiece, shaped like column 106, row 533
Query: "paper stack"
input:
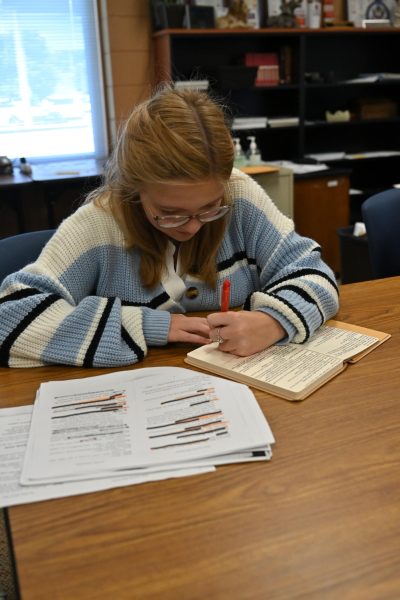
column 129, row 427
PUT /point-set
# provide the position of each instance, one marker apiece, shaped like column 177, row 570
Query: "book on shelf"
column 373, row 154
column 268, row 67
column 374, row 78
column 267, row 75
column 196, row 84
column 388, row 76
column 285, row 64
column 249, row 123
column 327, row 156
column 299, row 168
column 293, row 371
column 283, row 121
column 255, row 59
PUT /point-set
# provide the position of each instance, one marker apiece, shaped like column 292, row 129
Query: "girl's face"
column 184, row 199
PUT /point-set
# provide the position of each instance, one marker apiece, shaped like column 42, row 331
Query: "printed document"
column 174, row 419
column 14, row 430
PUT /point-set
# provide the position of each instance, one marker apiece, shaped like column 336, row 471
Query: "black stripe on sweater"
column 305, row 295
column 20, row 294
column 92, row 349
column 296, row 312
column 22, row 325
column 301, row 273
column 136, row 349
column 237, row 257
column 154, row 303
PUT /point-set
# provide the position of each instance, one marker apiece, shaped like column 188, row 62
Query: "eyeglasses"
column 170, row 221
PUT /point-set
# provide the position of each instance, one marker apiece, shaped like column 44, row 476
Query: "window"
column 51, row 89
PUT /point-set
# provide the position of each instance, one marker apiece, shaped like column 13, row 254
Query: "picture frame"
column 165, row 16
column 241, row 13
column 199, row 17
column 359, row 11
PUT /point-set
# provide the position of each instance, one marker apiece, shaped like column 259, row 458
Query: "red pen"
column 225, row 295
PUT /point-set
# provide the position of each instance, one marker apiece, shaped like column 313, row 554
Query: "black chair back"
column 381, row 215
column 20, row 250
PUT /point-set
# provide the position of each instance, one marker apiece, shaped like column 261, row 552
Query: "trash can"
column 354, row 256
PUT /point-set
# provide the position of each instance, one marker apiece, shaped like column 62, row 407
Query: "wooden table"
column 320, row 521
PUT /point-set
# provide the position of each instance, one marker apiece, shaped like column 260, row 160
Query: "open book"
column 293, row 371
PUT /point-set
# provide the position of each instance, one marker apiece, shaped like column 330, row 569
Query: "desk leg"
column 8, row 575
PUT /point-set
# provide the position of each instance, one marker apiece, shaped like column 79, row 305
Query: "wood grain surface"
column 320, row 521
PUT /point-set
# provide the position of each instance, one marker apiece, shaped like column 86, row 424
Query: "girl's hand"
column 243, row 332
column 194, row 330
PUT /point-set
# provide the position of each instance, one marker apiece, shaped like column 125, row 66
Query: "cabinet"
column 321, row 206
column 49, row 195
column 318, row 65
column 278, row 183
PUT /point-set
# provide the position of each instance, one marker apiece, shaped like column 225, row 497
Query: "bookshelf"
column 319, row 64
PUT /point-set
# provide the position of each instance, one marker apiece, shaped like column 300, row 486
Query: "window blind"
column 51, row 88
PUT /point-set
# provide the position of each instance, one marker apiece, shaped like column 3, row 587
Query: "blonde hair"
column 177, row 135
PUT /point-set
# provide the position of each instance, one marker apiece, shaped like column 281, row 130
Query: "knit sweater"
column 82, row 302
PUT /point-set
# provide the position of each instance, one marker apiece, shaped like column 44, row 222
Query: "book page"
column 291, row 367
column 353, row 347
column 295, row 367
column 339, row 342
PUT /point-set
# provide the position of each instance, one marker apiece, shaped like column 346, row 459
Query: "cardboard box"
column 377, row 108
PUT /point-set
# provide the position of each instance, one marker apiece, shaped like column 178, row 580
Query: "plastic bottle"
column 254, row 155
column 314, row 10
column 240, row 157
column 24, row 166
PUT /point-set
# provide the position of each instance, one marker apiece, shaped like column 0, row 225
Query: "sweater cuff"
column 156, row 326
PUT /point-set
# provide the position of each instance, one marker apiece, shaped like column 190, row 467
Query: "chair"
column 381, row 215
column 20, row 250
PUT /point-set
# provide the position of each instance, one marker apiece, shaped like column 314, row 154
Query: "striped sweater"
column 82, row 302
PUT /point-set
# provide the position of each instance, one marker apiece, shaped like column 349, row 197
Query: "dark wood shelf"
column 340, row 84
column 336, row 54
column 353, row 122
column 274, row 31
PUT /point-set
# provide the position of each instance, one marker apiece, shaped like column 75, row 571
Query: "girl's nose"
column 192, row 226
